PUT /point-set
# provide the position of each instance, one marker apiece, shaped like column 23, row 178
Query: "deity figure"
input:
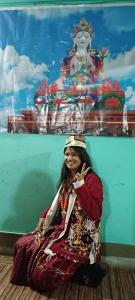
column 83, row 63
column 73, row 95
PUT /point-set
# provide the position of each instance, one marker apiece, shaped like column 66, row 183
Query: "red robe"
column 80, row 244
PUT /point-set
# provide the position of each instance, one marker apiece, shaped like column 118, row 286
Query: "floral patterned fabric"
column 78, row 246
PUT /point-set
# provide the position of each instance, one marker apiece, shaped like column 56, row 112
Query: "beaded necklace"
column 63, row 199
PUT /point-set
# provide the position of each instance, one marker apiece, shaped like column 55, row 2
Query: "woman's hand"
column 39, row 227
column 80, row 176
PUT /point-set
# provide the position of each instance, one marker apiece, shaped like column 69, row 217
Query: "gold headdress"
column 83, row 26
column 75, row 141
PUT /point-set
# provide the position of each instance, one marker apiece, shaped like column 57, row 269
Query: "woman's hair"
column 84, row 157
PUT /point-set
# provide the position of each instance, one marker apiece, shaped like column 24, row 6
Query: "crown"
column 75, row 141
column 83, row 26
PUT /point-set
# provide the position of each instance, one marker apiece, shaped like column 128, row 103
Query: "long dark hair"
column 84, row 157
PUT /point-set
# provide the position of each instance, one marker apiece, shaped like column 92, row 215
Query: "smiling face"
column 71, row 159
column 82, row 39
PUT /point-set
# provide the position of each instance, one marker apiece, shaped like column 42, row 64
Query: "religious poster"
column 68, row 70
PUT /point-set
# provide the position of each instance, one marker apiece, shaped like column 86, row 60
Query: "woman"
column 66, row 244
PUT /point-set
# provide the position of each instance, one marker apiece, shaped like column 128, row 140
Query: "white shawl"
column 50, row 215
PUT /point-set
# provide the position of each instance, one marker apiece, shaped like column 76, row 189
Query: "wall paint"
column 58, row 2
column 29, row 170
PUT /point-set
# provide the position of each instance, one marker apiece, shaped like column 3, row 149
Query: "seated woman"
column 66, row 242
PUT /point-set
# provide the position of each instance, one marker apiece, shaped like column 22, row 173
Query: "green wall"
column 29, row 170
column 59, row 2
column 30, row 167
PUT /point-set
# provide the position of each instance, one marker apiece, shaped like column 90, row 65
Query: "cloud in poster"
column 122, row 67
column 114, row 22
column 130, row 96
column 118, row 20
column 17, row 71
column 55, row 12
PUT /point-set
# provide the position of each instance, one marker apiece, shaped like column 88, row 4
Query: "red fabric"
column 52, row 272
column 34, row 268
column 90, row 195
column 44, row 213
column 42, row 272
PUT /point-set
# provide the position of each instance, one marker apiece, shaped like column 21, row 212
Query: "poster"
column 68, row 70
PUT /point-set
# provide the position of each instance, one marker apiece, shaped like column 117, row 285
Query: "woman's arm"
column 39, row 227
column 90, row 194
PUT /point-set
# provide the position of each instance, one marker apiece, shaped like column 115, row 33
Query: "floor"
column 118, row 284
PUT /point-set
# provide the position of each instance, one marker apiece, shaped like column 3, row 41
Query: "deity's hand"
column 80, row 176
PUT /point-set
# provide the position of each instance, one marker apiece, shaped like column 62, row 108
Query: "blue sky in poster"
column 33, row 42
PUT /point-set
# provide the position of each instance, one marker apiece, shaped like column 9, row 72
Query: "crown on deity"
column 83, row 26
column 75, row 141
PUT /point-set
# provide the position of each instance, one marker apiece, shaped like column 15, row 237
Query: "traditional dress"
column 70, row 242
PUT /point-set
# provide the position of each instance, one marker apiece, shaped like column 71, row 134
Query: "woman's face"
column 71, row 159
column 82, row 39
